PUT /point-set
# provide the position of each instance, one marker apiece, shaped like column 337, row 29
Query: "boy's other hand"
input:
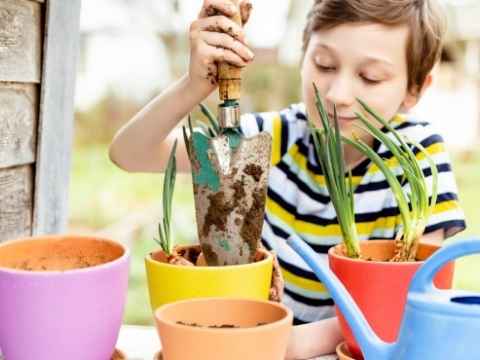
column 215, row 37
column 277, row 285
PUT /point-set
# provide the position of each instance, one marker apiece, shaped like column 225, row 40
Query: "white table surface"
column 141, row 343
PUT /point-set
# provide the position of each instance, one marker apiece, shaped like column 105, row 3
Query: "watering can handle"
column 229, row 76
column 423, row 279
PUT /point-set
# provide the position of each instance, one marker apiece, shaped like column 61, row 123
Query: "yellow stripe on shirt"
column 445, row 206
column 276, row 139
column 309, row 228
column 303, row 283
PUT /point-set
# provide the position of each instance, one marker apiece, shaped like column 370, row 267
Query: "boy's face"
column 367, row 61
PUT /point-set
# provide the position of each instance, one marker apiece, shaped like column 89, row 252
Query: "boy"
column 381, row 51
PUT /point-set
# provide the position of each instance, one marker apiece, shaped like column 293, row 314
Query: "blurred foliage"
column 466, row 166
column 98, row 124
column 264, row 90
column 101, row 193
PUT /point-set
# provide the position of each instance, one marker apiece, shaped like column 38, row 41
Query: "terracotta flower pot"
column 169, row 283
column 62, row 297
column 260, row 331
column 380, row 287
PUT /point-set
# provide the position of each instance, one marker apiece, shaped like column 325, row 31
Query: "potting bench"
column 141, row 343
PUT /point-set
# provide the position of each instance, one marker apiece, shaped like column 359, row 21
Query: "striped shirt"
column 298, row 200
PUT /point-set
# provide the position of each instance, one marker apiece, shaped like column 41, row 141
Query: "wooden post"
column 20, row 75
column 38, row 47
column 56, row 116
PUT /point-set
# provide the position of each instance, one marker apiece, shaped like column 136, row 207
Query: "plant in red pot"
column 377, row 273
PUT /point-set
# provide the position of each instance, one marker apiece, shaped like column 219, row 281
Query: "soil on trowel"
column 254, row 171
column 253, row 221
column 209, row 253
column 220, row 209
column 217, row 213
column 250, row 220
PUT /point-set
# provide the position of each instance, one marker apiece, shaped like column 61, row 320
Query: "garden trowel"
column 230, row 175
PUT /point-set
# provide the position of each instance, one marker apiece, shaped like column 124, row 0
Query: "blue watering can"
column 437, row 324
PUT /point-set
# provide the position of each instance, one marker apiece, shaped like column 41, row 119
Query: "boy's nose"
column 340, row 92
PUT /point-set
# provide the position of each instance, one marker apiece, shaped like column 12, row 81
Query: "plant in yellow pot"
column 180, row 272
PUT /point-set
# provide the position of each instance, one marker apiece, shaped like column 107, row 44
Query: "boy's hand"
column 215, row 37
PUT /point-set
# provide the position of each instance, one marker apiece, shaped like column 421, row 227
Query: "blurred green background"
column 132, row 50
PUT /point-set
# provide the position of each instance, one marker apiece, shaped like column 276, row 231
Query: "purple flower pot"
column 72, row 314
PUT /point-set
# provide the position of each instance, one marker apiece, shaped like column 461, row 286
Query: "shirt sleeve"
column 284, row 126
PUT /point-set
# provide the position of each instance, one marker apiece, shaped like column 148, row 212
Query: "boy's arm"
column 214, row 37
column 314, row 339
column 435, row 237
column 138, row 145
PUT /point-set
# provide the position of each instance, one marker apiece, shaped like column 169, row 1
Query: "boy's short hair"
column 424, row 18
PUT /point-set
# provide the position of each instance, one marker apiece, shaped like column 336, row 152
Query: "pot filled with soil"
column 220, row 328
column 62, row 297
column 379, row 286
column 185, row 275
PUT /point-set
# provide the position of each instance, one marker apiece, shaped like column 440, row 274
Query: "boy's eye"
column 325, row 68
column 369, row 80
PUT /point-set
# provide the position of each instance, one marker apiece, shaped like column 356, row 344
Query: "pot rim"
column 124, row 257
column 285, row 320
column 332, row 252
column 269, row 257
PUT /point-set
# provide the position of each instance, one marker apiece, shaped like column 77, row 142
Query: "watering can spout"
column 371, row 345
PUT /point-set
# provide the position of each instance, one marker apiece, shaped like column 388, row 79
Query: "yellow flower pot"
column 170, row 283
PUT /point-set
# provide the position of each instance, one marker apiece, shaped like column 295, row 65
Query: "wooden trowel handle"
column 229, row 76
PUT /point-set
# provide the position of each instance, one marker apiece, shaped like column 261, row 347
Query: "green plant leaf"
column 168, row 189
column 213, row 122
column 186, row 141
column 329, row 150
column 418, row 198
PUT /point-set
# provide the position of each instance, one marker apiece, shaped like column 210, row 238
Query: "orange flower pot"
column 261, row 329
column 380, row 287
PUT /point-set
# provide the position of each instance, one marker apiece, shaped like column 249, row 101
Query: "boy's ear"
column 414, row 95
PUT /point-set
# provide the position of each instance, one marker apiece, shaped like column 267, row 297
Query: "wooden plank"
column 20, row 41
column 18, row 124
column 16, row 195
column 56, row 116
